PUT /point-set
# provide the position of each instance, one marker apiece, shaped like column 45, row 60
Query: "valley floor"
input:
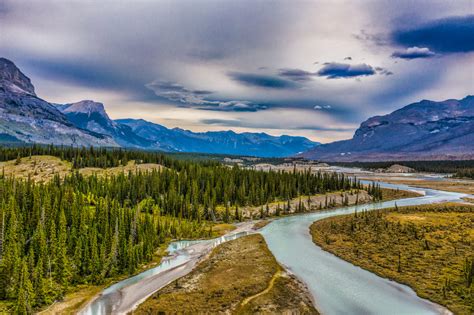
column 430, row 248
column 239, row 277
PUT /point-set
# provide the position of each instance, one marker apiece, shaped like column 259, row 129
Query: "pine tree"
column 25, row 297
column 227, row 213
column 18, row 160
column 63, row 271
column 237, row 214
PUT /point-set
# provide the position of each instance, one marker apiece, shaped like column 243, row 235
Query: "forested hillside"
column 78, row 229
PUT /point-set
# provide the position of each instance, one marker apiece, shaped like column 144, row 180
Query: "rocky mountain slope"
column 92, row 116
column 24, row 117
column 420, row 131
column 223, row 142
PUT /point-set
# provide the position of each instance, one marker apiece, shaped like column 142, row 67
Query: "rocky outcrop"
column 90, row 115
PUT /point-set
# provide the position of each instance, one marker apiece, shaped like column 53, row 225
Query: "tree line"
column 86, row 229
column 95, row 156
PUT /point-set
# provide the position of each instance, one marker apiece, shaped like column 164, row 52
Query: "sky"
column 308, row 68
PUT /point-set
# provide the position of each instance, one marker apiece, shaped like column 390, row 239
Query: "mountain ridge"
column 91, row 115
column 418, row 131
column 24, row 117
column 219, row 142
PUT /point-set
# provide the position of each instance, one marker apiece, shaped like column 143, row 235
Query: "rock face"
column 12, row 78
column 221, row 142
column 426, row 130
column 24, row 117
column 92, row 116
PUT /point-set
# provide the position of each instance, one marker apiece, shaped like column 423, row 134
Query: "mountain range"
column 425, row 130
column 26, row 118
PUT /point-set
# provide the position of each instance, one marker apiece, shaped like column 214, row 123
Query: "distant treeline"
column 465, row 173
column 99, row 157
column 461, row 168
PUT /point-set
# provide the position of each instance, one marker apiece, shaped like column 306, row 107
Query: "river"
column 337, row 286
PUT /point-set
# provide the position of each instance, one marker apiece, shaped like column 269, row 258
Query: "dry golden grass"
column 284, row 296
column 222, row 229
column 74, row 301
column 425, row 247
column 235, row 271
column 260, row 224
column 40, row 168
column 130, row 167
column 43, row 168
column 394, row 194
column 470, row 200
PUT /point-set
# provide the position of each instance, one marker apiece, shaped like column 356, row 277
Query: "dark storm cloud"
column 448, row 35
column 3, row 9
column 335, row 70
column 223, row 122
column 85, row 73
column 413, row 53
column 85, row 45
column 199, row 99
column 261, row 81
column 91, row 74
column 296, row 74
column 232, row 106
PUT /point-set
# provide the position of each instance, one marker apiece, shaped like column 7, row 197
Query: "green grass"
column 430, row 248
